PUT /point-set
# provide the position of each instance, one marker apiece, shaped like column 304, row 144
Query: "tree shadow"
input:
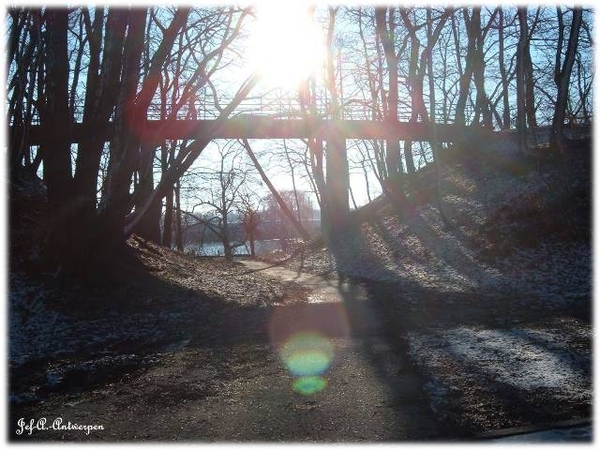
column 174, row 319
column 438, row 245
column 379, row 324
column 506, row 394
column 401, row 305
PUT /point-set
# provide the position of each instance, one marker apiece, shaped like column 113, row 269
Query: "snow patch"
column 523, row 358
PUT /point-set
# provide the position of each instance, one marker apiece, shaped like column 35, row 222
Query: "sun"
column 285, row 46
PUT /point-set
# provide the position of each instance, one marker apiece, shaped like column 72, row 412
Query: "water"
column 217, row 249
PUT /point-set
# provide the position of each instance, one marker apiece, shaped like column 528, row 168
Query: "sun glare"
column 285, row 45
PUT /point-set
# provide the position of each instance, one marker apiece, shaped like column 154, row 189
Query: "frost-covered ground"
column 38, row 332
column 54, row 343
column 509, row 372
column 500, row 305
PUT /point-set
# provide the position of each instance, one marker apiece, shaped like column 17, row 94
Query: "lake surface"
column 216, row 249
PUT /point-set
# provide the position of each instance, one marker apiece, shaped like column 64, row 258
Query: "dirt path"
column 314, row 369
column 281, row 355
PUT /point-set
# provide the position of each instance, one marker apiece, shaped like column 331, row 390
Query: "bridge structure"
column 265, row 118
column 154, row 132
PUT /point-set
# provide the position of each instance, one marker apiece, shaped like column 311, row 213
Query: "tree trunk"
column 149, row 226
column 337, row 181
column 56, row 148
column 167, row 154
column 521, row 117
column 529, row 79
column 338, row 206
column 415, row 89
column 102, row 86
column 124, row 148
column 435, row 145
column 482, row 102
column 503, row 75
column 178, row 228
column 284, row 207
column 252, row 244
column 385, row 32
column 167, row 236
column 101, row 96
column 307, row 100
column 467, row 73
column 562, row 77
column 227, row 250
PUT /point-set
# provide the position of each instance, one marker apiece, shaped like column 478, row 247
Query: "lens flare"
column 310, row 385
column 304, row 338
column 307, row 354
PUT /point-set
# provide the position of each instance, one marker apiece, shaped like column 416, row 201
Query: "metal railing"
column 277, row 107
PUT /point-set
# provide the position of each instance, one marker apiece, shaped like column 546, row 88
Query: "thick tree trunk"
column 338, row 207
column 56, row 149
column 149, row 226
column 467, row 74
column 100, row 98
column 166, row 157
column 252, row 245
column 124, row 148
column 337, row 177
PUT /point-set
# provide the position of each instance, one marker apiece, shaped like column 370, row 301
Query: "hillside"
column 521, row 223
column 500, row 301
column 440, row 333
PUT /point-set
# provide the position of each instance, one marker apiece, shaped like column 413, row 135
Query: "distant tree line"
column 268, row 223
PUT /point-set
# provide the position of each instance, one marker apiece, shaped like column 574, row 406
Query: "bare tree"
column 282, row 204
column 121, row 74
column 418, row 66
column 502, row 65
column 26, row 50
column 474, row 67
column 276, row 209
column 221, row 194
column 562, row 73
column 384, row 19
